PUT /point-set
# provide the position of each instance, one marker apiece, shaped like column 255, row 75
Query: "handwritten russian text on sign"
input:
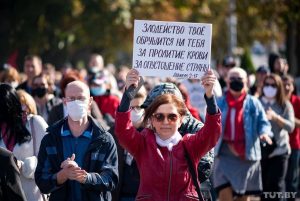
column 171, row 49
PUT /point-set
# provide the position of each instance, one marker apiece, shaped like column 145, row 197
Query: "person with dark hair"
column 13, row 130
column 271, row 60
column 17, row 136
column 49, row 70
column 10, row 183
column 280, row 113
column 227, row 63
column 129, row 173
column 32, row 67
column 41, row 92
column 159, row 149
column 96, row 63
column 292, row 177
column 260, row 75
column 278, row 64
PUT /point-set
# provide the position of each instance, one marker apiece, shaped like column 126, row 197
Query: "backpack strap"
column 193, row 173
column 33, row 135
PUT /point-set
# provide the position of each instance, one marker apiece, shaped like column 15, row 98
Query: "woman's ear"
column 90, row 103
column 149, row 123
column 181, row 120
column 152, row 128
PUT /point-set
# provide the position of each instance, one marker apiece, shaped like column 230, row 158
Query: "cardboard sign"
column 171, row 49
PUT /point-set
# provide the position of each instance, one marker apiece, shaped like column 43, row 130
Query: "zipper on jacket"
column 97, row 144
column 170, row 178
column 75, row 146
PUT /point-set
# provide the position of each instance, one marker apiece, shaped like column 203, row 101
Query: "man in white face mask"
column 78, row 102
column 88, row 165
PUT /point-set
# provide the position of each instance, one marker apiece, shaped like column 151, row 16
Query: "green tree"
column 71, row 29
column 246, row 62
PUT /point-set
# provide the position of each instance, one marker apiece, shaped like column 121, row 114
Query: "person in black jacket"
column 32, row 67
column 10, row 183
column 77, row 159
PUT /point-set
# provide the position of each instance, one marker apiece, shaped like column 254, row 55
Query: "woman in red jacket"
column 159, row 149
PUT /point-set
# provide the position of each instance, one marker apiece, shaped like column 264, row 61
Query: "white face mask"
column 270, row 92
column 77, row 109
column 136, row 116
column 14, row 84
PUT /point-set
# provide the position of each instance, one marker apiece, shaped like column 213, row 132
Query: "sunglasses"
column 235, row 78
column 160, row 117
column 70, row 99
column 270, row 85
column 135, row 107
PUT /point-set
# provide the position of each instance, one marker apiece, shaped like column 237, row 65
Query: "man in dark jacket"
column 77, row 159
column 32, row 67
column 10, row 183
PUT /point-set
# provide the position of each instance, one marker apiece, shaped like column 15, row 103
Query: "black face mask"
column 236, row 85
column 120, row 84
column 39, row 92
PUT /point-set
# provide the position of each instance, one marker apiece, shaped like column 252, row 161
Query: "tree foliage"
column 70, row 29
column 246, row 62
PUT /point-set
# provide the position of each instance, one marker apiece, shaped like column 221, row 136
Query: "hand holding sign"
column 133, row 83
column 132, row 78
column 208, row 81
column 172, row 49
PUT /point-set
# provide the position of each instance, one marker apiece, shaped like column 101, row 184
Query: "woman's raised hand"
column 132, row 78
column 208, row 81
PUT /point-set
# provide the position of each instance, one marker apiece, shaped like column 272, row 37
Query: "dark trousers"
column 292, row 176
column 127, row 199
column 273, row 175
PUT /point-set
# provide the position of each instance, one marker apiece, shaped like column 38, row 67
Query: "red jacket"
column 107, row 104
column 295, row 135
column 164, row 175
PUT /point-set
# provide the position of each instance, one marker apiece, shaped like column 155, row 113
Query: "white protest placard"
column 171, row 49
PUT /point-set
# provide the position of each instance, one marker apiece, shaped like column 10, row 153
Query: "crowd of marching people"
column 107, row 133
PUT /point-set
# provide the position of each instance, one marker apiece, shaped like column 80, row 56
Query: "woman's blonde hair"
column 26, row 99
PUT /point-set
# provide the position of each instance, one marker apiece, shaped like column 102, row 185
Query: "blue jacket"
column 100, row 161
column 255, row 124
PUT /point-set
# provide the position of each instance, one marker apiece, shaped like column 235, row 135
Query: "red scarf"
column 237, row 142
column 8, row 140
column 192, row 110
